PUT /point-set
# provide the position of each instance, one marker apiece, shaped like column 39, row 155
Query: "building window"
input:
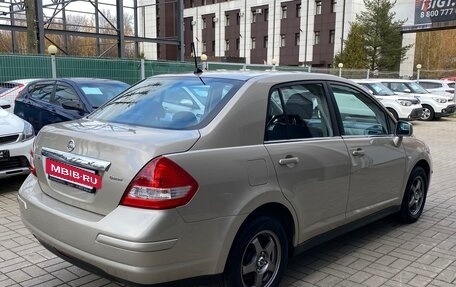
column 237, row 43
column 297, row 39
column 284, row 12
column 204, row 2
column 265, row 42
column 227, row 20
column 204, row 49
column 317, row 7
column 298, row 10
column 282, row 40
column 253, row 43
column 227, row 45
column 213, row 46
column 238, row 18
column 213, row 21
column 192, row 3
column 333, row 6
column 204, row 23
column 254, row 16
column 265, row 14
column 332, row 36
column 317, row 38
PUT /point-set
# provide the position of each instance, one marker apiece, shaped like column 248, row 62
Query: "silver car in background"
column 267, row 166
column 438, row 87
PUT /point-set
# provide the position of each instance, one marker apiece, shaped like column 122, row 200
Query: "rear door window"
column 298, row 111
column 42, row 91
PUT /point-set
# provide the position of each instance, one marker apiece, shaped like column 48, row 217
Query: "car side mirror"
column 5, row 104
column 70, row 105
column 407, row 91
column 404, row 128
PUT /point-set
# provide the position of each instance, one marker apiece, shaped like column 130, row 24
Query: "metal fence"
column 14, row 67
column 130, row 70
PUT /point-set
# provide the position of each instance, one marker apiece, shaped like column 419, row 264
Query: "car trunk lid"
column 89, row 164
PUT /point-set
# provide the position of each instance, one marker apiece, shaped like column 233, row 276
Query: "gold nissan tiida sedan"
column 225, row 174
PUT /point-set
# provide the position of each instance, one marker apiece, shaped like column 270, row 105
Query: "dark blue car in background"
column 49, row 101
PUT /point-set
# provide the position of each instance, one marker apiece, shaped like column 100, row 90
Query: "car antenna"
column 197, row 70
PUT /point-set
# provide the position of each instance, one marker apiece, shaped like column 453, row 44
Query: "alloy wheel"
column 261, row 260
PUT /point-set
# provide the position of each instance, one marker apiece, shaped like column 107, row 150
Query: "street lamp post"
column 418, row 68
column 52, row 50
column 204, row 61
column 274, row 63
column 340, row 65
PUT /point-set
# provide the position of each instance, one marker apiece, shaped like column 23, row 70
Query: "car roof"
column 23, row 81
column 272, row 75
column 396, row 80
column 436, row 81
column 366, row 80
column 78, row 80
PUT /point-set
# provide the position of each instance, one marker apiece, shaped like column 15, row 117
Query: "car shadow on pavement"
column 11, row 183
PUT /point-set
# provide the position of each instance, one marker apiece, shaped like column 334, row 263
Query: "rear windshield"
column 169, row 102
column 99, row 93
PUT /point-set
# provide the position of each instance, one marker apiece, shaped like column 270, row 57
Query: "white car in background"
column 438, row 87
column 434, row 106
column 400, row 106
column 16, row 140
column 10, row 90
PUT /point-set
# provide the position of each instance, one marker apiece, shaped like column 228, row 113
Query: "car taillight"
column 161, row 184
column 450, row 91
column 19, row 88
column 32, row 164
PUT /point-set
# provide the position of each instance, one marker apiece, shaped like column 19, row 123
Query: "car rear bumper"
column 18, row 161
column 136, row 245
column 450, row 109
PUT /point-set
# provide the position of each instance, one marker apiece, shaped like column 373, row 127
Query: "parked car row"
column 399, row 95
column 38, row 102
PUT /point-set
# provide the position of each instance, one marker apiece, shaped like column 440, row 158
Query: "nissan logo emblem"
column 71, row 145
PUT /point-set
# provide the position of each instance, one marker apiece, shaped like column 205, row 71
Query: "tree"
column 383, row 37
column 354, row 55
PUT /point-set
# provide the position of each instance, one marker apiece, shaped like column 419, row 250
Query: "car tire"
column 393, row 112
column 428, row 113
column 414, row 196
column 258, row 256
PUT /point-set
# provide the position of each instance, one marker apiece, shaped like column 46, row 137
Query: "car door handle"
column 288, row 160
column 358, row 152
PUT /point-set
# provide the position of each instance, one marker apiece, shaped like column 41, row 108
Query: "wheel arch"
column 427, row 168
column 273, row 209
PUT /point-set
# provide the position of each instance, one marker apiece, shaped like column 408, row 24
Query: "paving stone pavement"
column 384, row 253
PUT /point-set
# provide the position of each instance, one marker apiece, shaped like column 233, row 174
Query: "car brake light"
column 161, row 184
column 450, row 91
column 20, row 87
column 31, row 164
